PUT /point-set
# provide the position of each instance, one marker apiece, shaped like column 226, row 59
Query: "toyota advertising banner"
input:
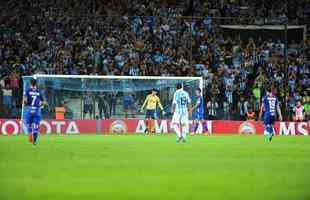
column 14, row 127
column 136, row 126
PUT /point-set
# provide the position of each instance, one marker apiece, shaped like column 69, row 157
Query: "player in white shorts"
column 299, row 112
column 181, row 109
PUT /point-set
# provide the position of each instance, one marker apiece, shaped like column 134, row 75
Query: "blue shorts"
column 128, row 105
column 150, row 114
column 7, row 100
column 269, row 120
column 198, row 116
column 33, row 118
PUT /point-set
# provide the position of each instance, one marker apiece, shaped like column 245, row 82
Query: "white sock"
column 184, row 131
column 199, row 129
column 176, row 128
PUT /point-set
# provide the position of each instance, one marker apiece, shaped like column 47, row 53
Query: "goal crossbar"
column 121, row 77
column 117, row 77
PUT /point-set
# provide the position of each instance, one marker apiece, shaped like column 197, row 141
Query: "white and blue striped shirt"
column 134, row 71
column 181, row 100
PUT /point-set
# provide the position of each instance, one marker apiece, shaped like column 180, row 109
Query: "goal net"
column 102, row 97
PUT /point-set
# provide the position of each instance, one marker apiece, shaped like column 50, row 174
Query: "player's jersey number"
column 272, row 106
column 183, row 101
column 34, row 98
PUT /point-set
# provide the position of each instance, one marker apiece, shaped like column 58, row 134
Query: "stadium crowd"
column 157, row 38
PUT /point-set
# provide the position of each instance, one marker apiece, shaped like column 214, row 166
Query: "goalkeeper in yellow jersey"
column 150, row 103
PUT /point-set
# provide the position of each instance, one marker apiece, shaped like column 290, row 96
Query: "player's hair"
column 179, row 85
column 33, row 82
column 268, row 88
column 198, row 89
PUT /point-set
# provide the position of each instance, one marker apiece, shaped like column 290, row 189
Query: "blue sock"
column 195, row 127
column 205, row 126
column 35, row 134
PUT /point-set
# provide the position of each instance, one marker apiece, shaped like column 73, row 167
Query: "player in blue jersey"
column 33, row 100
column 270, row 107
column 181, row 109
column 198, row 113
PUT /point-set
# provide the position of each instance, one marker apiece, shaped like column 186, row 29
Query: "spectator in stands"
column 112, row 100
column 212, row 109
column 257, row 95
column 103, row 111
column 306, row 103
column 299, row 112
column 7, row 99
column 14, row 85
column 88, row 105
column 243, row 108
column 226, row 109
column 250, row 115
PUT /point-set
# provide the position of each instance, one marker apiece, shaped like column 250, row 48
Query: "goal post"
column 101, row 97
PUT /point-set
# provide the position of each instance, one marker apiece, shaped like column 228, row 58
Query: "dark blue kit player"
column 270, row 108
column 33, row 101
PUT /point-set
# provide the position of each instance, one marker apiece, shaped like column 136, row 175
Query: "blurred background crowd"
column 163, row 38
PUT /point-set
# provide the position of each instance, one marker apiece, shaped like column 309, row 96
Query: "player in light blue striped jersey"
column 182, row 110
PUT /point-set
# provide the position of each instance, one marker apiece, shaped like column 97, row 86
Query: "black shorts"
column 150, row 114
column 88, row 108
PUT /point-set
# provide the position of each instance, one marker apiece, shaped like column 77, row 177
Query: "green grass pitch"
column 155, row 167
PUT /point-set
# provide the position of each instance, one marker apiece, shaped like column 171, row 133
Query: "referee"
column 150, row 103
